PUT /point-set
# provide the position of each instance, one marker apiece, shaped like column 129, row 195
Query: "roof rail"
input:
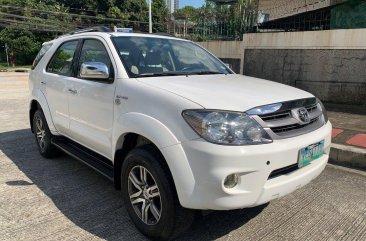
column 102, row 29
column 157, row 33
column 164, row 34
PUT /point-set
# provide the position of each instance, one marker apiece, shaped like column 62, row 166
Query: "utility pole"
column 184, row 29
column 7, row 54
column 150, row 17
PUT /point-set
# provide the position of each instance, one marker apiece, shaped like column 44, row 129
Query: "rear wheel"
column 150, row 197
column 43, row 136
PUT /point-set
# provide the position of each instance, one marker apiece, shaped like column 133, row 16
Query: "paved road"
column 61, row 199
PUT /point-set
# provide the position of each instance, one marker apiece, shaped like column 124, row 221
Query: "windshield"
column 148, row 57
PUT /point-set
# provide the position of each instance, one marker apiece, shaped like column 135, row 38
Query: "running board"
column 88, row 157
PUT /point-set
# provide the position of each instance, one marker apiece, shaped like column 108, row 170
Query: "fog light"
column 231, row 181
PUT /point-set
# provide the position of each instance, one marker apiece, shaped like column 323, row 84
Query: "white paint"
column 153, row 108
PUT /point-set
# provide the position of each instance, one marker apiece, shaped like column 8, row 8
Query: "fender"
column 41, row 99
column 144, row 125
column 167, row 143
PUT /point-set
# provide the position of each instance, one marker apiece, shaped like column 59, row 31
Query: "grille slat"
column 282, row 129
column 311, row 108
column 285, row 122
column 279, row 116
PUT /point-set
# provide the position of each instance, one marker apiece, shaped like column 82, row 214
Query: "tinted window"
column 144, row 56
column 40, row 54
column 61, row 62
column 94, row 51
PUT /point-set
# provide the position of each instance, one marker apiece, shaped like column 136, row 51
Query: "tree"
column 231, row 19
column 160, row 15
column 24, row 44
column 188, row 12
column 136, row 9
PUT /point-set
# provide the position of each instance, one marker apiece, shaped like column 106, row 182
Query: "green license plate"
column 310, row 153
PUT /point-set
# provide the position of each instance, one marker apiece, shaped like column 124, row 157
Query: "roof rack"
column 102, row 29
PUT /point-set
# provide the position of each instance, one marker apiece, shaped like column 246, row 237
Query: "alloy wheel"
column 144, row 195
column 40, row 133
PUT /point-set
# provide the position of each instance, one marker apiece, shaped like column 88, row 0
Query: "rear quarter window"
column 40, row 54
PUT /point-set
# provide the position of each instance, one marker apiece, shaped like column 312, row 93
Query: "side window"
column 94, row 51
column 61, row 62
column 40, row 54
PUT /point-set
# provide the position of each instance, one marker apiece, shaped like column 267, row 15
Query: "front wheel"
column 149, row 195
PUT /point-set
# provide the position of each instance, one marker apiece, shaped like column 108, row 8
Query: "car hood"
column 226, row 92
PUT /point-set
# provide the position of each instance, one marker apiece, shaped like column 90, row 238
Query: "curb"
column 15, row 70
column 348, row 156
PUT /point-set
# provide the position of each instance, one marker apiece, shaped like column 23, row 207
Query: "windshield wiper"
column 205, row 72
column 159, row 74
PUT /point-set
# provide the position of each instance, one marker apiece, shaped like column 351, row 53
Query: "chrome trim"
column 94, row 70
column 286, row 122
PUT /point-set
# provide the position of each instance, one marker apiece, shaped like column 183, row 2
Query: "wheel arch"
column 137, row 125
column 33, row 107
column 39, row 101
column 126, row 143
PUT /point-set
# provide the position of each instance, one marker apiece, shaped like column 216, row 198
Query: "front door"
column 91, row 102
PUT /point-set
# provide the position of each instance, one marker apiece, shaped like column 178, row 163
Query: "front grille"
column 277, row 116
column 311, row 108
column 282, row 129
column 285, row 121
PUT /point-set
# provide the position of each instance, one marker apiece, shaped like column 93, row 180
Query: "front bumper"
column 209, row 164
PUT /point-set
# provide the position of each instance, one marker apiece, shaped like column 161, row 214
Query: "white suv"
column 173, row 126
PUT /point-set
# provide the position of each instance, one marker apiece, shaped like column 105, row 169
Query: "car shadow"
column 90, row 201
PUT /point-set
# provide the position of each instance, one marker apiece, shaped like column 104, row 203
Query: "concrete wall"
column 330, row 64
column 231, row 52
column 333, row 75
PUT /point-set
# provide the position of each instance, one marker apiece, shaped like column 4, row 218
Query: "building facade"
column 172, row 5
column 275, row 9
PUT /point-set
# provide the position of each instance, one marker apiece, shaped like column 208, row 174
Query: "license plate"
column 310, row 153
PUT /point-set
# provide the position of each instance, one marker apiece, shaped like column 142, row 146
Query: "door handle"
column 43, row 83
column 73, row 91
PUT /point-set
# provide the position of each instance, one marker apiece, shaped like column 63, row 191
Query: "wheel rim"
column 144, row 195
column 40, row 133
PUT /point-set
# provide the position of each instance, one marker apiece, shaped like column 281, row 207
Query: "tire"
column 43, row 136
column 166, row 218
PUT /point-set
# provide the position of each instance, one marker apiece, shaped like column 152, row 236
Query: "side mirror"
column 94, row 71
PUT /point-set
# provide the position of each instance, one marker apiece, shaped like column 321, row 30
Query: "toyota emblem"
column 304, row 115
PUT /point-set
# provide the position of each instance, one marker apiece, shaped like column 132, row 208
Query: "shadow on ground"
column 90, row 201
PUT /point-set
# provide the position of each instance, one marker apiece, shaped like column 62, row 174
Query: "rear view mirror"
column 94, row 71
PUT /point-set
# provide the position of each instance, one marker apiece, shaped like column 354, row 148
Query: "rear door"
column 91, row 102
column 54, row 82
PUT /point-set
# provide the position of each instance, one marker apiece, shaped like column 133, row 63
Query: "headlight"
column 325, row 115
column 226, row 128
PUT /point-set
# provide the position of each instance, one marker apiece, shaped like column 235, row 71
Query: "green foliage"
column 136, row 9
column 188, row 12
column 226, row 21
column 160, row 15
column 22, row 42
column 42, row 20
column 115, row 12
